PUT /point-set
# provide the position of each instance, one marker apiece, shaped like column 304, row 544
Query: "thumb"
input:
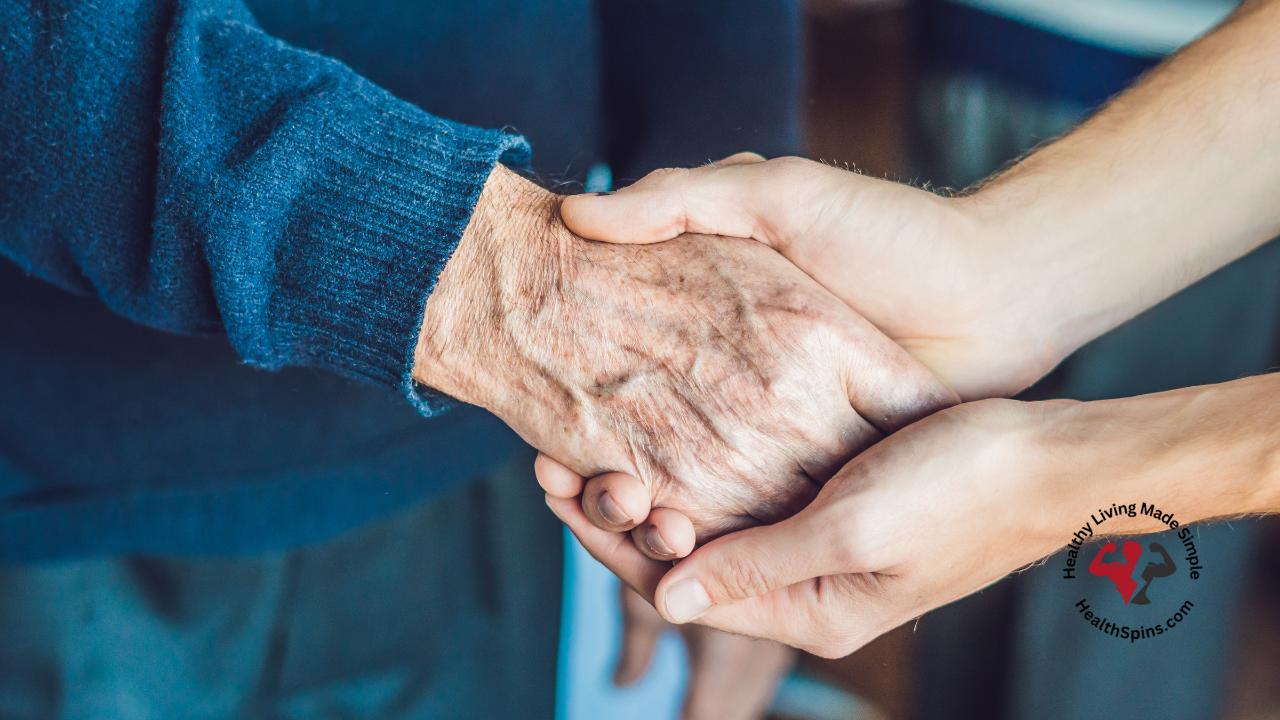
column 750, row 563
column 717, row 199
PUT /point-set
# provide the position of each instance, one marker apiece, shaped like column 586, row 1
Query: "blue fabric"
column 115, row 437
column 444, row 611
column 287, row 201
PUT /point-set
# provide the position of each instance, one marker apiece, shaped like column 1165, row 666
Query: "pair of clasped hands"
column 788, row 377
column 820, row 461
column 756, row 368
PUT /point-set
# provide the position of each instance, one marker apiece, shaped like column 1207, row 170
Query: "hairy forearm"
column 1203, row 452
column 1170, row 181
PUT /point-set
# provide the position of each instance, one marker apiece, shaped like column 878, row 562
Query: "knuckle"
column 664, row 175
column 742, row 578
column 789, row 165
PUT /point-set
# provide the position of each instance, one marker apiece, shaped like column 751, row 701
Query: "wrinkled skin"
column 712, row 369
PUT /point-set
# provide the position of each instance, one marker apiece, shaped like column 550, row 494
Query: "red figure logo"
column 1121, row 573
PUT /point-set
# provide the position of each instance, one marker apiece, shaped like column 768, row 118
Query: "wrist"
column 507, row 258
column 1198, row 453
column 1009, row 294
column 1068, row 271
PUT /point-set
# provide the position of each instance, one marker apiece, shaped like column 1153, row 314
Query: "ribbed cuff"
column 389, row 211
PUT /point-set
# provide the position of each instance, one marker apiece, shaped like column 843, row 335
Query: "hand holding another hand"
column 711, row 369
column 882, row 542
column 937, row 274
column 1171, row 180
column 927, row 516
column 957, row 501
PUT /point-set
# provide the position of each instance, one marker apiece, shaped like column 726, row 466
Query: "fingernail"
column 686, row 600
column 611, row 512
column 596, row 194
column 654, row 539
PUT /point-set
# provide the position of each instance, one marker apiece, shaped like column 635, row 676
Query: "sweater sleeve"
column 200, row 176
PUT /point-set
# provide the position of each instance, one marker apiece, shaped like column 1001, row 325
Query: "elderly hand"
column 931, row 272
column 1170, row 181
column 713, row 370
column 930, row 514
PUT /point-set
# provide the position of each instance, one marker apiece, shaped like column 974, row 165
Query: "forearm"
column 1200, row 453
column 1170, row 181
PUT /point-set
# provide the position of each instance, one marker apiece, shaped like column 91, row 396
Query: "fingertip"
column 634, row 215
column 580, row 214
column 667, row 534
column 683, row 601
column 604, row 218
column 747, row 564
column 613, row 550
column 557, row 479
column 616, row 502
column 558, row 507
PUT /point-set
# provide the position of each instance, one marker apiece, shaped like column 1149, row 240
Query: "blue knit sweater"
column 290, row 202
